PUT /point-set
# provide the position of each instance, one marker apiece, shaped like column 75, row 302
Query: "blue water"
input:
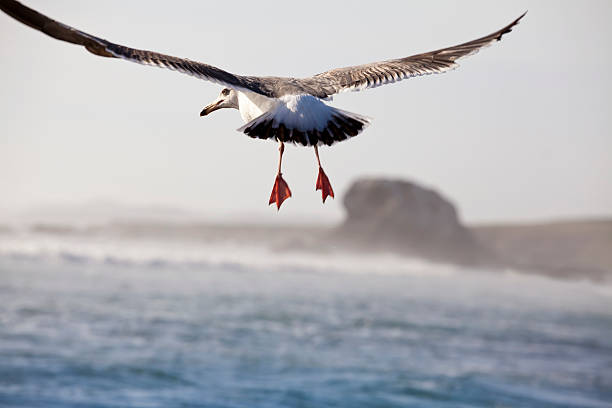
column 78, row 333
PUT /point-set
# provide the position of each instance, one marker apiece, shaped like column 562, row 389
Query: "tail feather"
column 309, row 123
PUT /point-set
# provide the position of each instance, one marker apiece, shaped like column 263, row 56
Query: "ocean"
column 107, row 320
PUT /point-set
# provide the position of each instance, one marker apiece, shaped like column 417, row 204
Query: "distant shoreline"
column 568, row 249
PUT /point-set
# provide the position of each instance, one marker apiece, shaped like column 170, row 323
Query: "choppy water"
column 83, row 331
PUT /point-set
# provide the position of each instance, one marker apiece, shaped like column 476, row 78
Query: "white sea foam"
column 148, row 251
column 113, row 246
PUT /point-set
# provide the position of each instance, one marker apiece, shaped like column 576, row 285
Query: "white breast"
column 252, row 105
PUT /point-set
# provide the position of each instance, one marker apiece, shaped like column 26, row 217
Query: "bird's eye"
column 225, row 92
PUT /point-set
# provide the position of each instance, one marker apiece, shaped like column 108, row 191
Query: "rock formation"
column 398, row 215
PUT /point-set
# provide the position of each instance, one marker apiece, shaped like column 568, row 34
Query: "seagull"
column 287, row 110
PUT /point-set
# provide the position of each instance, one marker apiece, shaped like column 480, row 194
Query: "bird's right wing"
column 386, row 72
column 106, row 48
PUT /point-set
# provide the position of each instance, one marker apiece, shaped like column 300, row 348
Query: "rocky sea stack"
column 398, row 215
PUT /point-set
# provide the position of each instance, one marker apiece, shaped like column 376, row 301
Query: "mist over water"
column 91, row 321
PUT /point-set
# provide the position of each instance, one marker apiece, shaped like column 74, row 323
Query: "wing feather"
column 376, row 74
column 108, row 49
column 322, row 85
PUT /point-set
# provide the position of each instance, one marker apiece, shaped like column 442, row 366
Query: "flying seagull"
column 283, row 109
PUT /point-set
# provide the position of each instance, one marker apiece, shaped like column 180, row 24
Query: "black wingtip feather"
column 510, row 26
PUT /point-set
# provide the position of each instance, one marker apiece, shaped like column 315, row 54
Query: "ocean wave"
column 182, row 253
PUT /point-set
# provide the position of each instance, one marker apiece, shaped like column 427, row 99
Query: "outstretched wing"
column 106, row 48
column 386, row 72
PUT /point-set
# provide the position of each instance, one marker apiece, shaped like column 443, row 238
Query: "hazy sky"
column 520, row 131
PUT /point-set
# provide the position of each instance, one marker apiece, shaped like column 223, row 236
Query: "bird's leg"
column 280, row 191
column 323, row 183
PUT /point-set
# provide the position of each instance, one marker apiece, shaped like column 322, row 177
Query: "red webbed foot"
column 324, row 185
column 280, row 192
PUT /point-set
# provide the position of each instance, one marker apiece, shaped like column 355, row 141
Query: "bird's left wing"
column 385, row 72
column 106, row 48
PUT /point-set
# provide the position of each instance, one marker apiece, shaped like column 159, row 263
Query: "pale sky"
column 521, row 131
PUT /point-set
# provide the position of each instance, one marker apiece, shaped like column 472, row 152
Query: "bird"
column 282, row 109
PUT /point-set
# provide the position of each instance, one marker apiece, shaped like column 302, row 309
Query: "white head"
column 228, row 98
